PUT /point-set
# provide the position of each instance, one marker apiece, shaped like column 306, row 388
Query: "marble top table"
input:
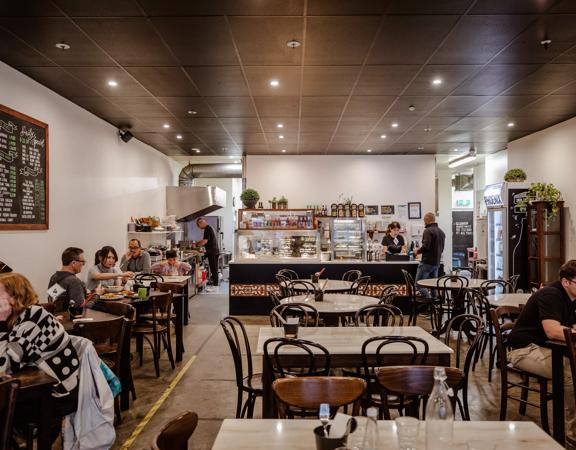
column 344, row 345
column 326, row 285
column 507, row 299
column 341, row 304
column 296, row 434
column 431, row 283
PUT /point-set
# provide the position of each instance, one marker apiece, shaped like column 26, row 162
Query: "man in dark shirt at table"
column 70, row 288
column 210, row 243
column 431, row 250
column 547, row 312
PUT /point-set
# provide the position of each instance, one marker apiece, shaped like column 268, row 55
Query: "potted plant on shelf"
column 283, row 203
column 249, row 197
column 543, row 192
column 515, row 175
column 273, row 203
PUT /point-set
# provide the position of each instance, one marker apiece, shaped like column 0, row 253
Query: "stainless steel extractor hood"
column 188, row 203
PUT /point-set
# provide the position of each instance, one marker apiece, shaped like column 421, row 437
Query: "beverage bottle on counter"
column 439, row 414
column 371, row 438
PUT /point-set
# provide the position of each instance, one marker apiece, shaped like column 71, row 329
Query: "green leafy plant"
column 543, row 192
column 283, row 202
column 515, row 175
column 250, row 197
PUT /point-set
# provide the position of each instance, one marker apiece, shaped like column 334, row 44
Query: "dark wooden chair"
column 570, row 338
column 449, row 296
column 503, row 319
column 289, row 273
column 513, row 281
column 360, row 286
column 307, row 314
column 159, row 328
column 464, row 329
column 8, row 395
column 418, row 302
column 300, row 287
column 275, row 299
column 413, row 384
column 351, row 275
column 303, row 396
column 379, row 316
column 246, row 380
column 283, row 282
column 388, row 295
column 496, row 287
column 481, row 307
column 317, row 357
column 175, row 434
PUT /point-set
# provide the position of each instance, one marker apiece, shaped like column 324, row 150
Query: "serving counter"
column 252, row 281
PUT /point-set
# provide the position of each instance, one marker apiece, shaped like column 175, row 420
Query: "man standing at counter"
column 431, row 250
column 136, row 259
column 210, row 243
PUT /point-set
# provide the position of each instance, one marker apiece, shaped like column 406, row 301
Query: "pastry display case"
column 348, row 239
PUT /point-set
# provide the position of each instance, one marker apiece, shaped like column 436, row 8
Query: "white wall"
column 96, row 182
column 496, row 166
column 548, row 156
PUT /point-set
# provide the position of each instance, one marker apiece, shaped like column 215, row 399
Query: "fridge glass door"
column 497, row 245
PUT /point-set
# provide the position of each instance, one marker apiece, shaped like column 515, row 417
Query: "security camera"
column 125, row 135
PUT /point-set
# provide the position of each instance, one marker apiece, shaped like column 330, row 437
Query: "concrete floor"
column 208, row 387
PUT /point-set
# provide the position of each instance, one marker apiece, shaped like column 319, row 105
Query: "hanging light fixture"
column 464, row 159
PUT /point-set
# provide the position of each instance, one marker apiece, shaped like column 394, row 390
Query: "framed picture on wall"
column 387, row 210
column 414, row 210
column 371, row 210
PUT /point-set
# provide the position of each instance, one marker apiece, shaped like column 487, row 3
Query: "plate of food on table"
column 111, row 296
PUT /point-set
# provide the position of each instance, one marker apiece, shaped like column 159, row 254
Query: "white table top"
column 296, row 434
column 176, row 278
column 508, row 299
column 334, row 303
column 327, row 284
column 349, row 340
column 473, row 283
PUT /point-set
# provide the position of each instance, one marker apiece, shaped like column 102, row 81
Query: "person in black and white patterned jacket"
column 31, row 336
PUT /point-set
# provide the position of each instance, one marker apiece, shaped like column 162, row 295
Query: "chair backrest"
column 154, row 277
column 275, row 299
column 351, row 275
column 360, row 285
column 379, row 315
column 570, row 338
column 457, row 286
column 316, row 355
column 307, row 314
column 387, row 295
column 513, row 281
column 410, row 285
column 415, row 382
column 466, row 327
column 119, row 309
column 289, row 273
column 300, row 287
column 109, row 332
column 503, row 319
column 302, row 396
column 239, row 346
column 170, row 287
column 283, row 282
column 378, row 355
column 466, row 272
column 8, row 394
column 175, row 434
column 496, row 287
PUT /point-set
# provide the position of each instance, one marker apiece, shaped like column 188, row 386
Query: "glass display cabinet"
column 276, row 219
column 348, row 239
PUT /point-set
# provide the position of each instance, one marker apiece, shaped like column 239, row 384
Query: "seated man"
column 547, row 312
column 171, row 266
column 64, row 286
column 136, row 259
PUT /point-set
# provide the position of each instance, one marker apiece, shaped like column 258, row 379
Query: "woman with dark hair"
column 393, row 242
column 104, row 271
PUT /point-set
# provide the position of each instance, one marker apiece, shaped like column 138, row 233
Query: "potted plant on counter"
column 543, row 192
column 515, row 176
column 249, row 197
column 283, row 203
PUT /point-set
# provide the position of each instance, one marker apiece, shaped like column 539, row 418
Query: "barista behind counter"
column 393, row 242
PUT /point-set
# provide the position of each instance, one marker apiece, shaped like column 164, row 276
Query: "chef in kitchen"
column 135, row 259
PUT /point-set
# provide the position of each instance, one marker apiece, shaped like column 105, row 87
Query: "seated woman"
column 171, row 266
column 393, row 242
column 104, row 271
column 31, row 336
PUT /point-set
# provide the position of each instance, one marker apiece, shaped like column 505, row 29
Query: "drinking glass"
column 324, row 416
column 407, row 431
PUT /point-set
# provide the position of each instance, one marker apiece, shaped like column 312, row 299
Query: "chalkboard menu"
column 462, row 236
column 23, row 172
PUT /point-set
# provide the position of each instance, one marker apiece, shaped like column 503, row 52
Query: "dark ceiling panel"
column 100, row 106
column 219, row 81
column 156, row 125
column 504, row 105
column 44, row 33
column 270, row 124
column 241, row 125
column 346, row 7
column 59, row 80
column 100, row 8
column 98, row 78
column 339, row 40
column 567, row 90
column 17, row 53
column 185, row 107
column 130, row 41
column 322, row 106
column 204, row 125
column 459, row 105
column 262, row 40
column 545, row 80
column 512, row 6
column 329, row 80
column 140, row 106
column 494, row 79
column 277, row 106
column 198, row 40
column 476, row 39
column 451, row 77
column 232, row 106
column 221, row 7
column 366, row 106
column 249, row 138
column 318, row 125
column 422, row 105
column 384, row 80
column 28, row 8
column 275, row 138
column 259, row 78
column 409, row 39
column 164, row 81
column 552, row 105
column 428, row 7
column 473, row 123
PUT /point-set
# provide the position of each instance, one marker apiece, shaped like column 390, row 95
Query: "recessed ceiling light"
column 279, row 125
column 197, row 150
column 274, row 83
column 281, row 136
column 427, row 129
column 166, row 125
column 369, row 150
column 454, row 149
column 231, row 156
column 178, row 136
column 62, row 46
column 192, row 112
column 420, row 148
column 437, row 81
column 394, row 124
column 511, row 124
column 283, row 150
column 411, row 108
column 382, row 136
column 293, row 43
column 112, row 83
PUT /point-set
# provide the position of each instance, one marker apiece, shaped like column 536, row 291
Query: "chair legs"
column 544, row 405
column 245, row 410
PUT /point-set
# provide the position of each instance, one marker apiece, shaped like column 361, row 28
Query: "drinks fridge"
column 507, row 232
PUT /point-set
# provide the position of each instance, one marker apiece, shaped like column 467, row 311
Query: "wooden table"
column 297, row 434
column 325, row 285
column 36, row 389
column 497, row 300
column 182, row 282
column 344, row 345
column 94, row 314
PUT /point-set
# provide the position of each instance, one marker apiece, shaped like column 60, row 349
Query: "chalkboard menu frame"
column 44, row 225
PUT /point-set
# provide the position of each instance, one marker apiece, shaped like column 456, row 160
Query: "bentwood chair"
column 360, row 285
column 307, row 314
column 175, row 434
column 451, row 289
column 316, row 356
column 351, row 275
column 8, row 394
column 418, row 302
column 289, row 273
column 379, row 315
column 303, row 396
column 388, row 295
column 300, row 287
column 513, row 281
column 246, row 380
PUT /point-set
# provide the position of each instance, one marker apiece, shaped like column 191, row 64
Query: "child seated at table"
column 171, row 266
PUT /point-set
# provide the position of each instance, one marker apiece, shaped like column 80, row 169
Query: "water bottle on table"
column 439, row 414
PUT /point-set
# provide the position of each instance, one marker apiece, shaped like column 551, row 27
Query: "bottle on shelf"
column 439, row 414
